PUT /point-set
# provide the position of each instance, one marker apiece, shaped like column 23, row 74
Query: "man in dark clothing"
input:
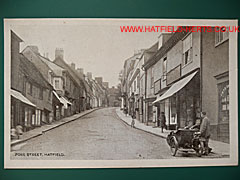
column 163, row 121
column 205, row 132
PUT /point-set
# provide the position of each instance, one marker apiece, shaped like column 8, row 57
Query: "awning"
column 20, row 97
column 57, row 96
column 176, row 87
column 65, row 102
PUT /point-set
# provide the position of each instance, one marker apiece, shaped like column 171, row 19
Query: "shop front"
column 181, row 102
column 22, row 111
column 223, row 107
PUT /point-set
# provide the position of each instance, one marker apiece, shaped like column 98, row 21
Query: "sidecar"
column 184, row 140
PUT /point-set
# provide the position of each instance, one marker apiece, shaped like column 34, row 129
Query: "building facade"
column 215, row 82
column 31, row 94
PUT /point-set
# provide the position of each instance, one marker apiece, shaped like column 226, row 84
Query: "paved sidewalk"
column 223, row 149
column 41, row 130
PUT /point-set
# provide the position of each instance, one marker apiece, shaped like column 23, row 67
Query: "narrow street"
column 99, row 135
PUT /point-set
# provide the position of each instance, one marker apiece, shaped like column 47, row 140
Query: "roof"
column 55, row 68
column 32, row 72
column 153, row 48
column 172, row 41
column 68, row 68
column 14, row 35
column 131, row 58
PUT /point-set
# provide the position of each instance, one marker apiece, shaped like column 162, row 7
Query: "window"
column 41, row 93
column 164, row 68
column 223, row 91
column 157, row 86
column 34, row 90
column 221, row 35
column 138, row 81
column 38, row 117
column 187, row 49
column 152, row 77
column 141, row 84
column 57, row 84
column 50, row 95
column 134, row 86
column 224, row 98
column 29, row 88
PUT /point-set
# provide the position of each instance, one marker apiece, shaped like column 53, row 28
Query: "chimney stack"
column 105, row 84
column 59, row 52
column 99, row 80
column 89, row 75
column 73, row 66
column 80, row 71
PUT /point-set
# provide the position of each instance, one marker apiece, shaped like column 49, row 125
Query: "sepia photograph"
column 110, row 93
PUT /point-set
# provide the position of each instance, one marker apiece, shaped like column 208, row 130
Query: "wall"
column 149, row 89
column 14, row 62
column 215, row 60
column 195, row 63
column 42, row 67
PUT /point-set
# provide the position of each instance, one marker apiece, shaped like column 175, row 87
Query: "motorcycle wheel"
column 199, row 150
column 173, row 146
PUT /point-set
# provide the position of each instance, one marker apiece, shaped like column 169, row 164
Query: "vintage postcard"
column 120, row 93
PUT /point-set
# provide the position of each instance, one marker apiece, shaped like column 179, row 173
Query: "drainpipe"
column 201, row 81
column 146, row 119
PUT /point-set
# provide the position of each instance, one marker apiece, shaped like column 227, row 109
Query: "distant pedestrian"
column 158, row 121
column 125, row 110
column 133, row 121
column 19, row 130
column 163, row 121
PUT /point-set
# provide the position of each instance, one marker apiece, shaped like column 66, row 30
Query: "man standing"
column 205, row 132
column 163, row 121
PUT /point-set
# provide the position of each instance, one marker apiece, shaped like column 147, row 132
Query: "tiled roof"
column 172, row 41
column 32, row 73
column 68, row 68
column 56, row 69
column 80, row 82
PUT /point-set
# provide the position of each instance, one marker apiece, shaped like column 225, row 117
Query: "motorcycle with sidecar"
column 185, row 140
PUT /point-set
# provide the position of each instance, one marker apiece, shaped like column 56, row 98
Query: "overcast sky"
column 97, row 46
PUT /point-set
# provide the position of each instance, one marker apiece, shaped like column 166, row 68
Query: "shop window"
column 28, row 117
column 223, row 102
column 221, row 35
column 225, row 98
column 187, row 50
column 173, row 118
column 38, row 117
